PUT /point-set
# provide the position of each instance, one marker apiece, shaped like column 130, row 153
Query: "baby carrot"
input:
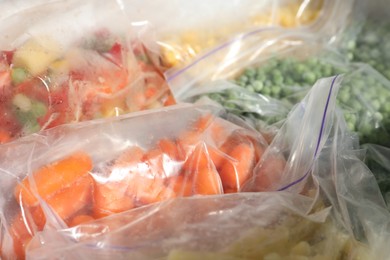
column 131, row 156
column 216, row 156
column 111, row 198
column 268, row 173
column 204, row 122
column 202, row 173
column 53, row 178
column 72, row 199
column 171, row 149
column 181, row 186
column 149, row 190
column 207, row 182
column 198, row 158
column 238, row 166
column 66, row 202
column 21, row 232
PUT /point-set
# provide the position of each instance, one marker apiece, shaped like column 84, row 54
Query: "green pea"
column 18, row 75
column 258, row 86
column 376, row 104
column 309, row 77
column 38, row 109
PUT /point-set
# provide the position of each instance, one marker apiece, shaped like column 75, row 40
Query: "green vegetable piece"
column 38, row 109
column 18, row 75
column 31, row 127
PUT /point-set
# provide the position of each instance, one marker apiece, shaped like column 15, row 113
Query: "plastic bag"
column 264, row 225
column 78, row 62
column 283, row 65
column 378, row 160
column 194, row 27
column 260, row 112
column 127, row 164
column 339, row 202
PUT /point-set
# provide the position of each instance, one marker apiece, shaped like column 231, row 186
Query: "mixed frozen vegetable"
column 43, row 85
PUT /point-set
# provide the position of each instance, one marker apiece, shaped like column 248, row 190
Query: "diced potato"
column 22, row 102
column 36, row 54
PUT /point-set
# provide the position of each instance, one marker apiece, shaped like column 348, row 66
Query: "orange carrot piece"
column 199, row 158
column 73, row 199
column 53, row 178
column 171, row 149
column 131, row 156
column 64, row 204
column 170, row 100
column 181, row 186
column 153, row 160
column 216, row 156
column 207, row 182
column 269, row 172
column 259, row 145
column 111, row 198
column 237, row 169
column 204, row 122
column 202, row 173
column 149, row 190
column 4, row 136
column 20, row 234
column 80, row 219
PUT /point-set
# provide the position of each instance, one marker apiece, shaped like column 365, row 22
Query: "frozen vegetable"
column 44, row 87
column 66, row 67
column 211, row 156
column 364, row 95
column 196, row 26
column 372, row 46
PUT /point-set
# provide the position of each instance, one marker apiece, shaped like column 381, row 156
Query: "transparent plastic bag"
column 264, row 225
column 196, row 26
column 283, row 65
column 331, row 207
column 125, row 164
column 77, row 62
column 132, row 161
column 378, row 160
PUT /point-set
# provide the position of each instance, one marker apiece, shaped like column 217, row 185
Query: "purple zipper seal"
column 213, row 51
column 319, row 137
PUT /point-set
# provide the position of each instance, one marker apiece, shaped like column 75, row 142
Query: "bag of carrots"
column 76, row 174
column 325, row 204
column 79, row 61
